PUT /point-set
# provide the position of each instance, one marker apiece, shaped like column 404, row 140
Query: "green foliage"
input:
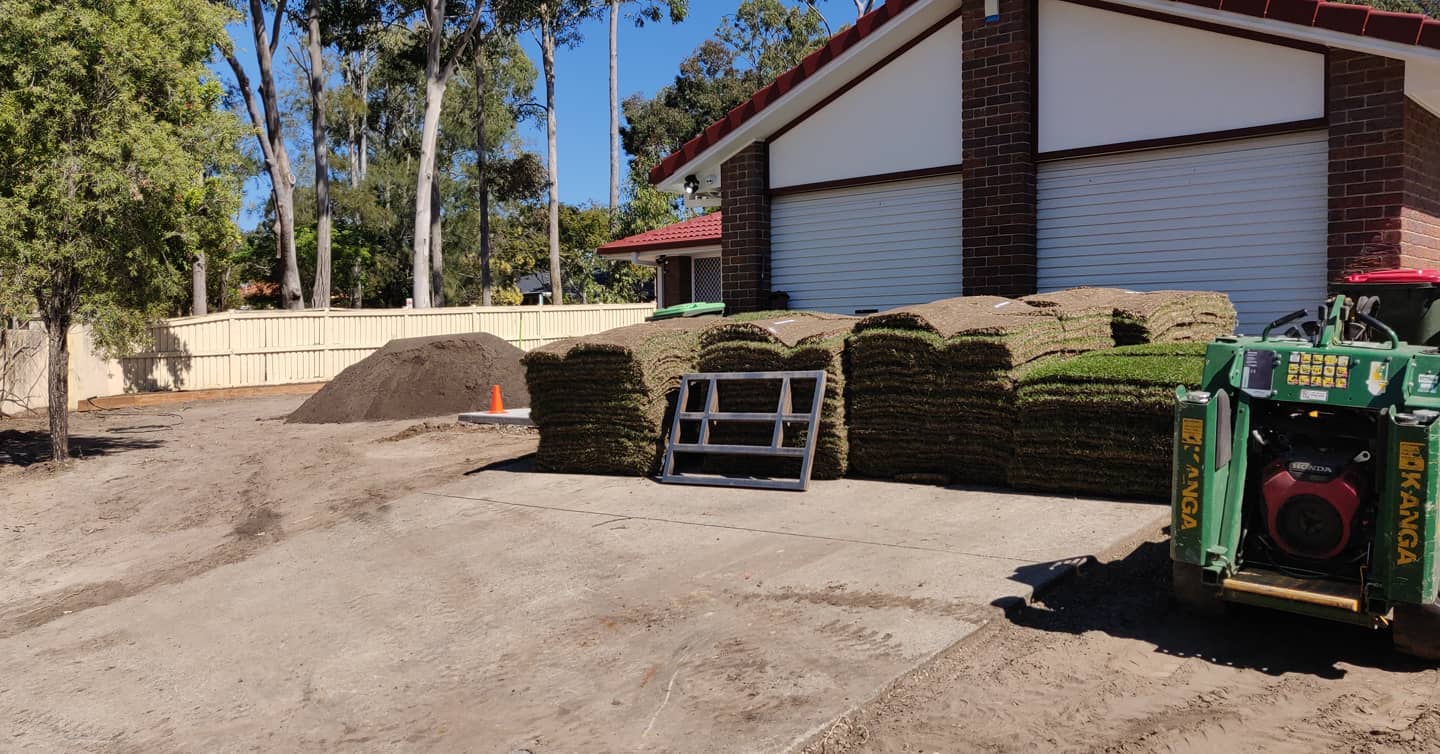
column 1430, row 8
column 116, row 158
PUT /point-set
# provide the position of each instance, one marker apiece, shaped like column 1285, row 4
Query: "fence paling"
column 245, row 349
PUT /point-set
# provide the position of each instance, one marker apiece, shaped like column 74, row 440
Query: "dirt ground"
column 163, row 495
column 1105, row 662
column 1102, row 663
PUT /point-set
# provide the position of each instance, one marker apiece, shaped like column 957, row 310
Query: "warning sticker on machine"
column 1314, row 395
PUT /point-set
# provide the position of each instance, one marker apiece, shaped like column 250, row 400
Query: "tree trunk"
column 364, row 114
column 278, row 159
column 425, row 174
column 58, row 389
column 482, row 179
column 437, row 254
column 614, row 110
column 424, row 177
column 198, row 304
column 547, row 48
column 320, row 294
column 359, row 287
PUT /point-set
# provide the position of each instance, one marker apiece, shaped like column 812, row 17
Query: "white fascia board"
column 648, row 258
column 811, row 91
column 1274, row 28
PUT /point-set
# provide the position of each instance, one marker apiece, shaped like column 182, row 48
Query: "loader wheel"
column 1192, row 593
column 1416, row 631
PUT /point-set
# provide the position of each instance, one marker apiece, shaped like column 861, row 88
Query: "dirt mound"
column 413, row 378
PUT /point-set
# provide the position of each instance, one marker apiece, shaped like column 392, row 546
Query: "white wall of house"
column 1108, row 78
column 906, row 116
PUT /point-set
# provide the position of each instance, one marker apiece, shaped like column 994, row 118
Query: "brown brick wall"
column 745, row 230
column 1420, row 217
column 998, row 142
column 1366, row 99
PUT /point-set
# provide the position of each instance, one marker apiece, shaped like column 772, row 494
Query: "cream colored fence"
column 244, row 349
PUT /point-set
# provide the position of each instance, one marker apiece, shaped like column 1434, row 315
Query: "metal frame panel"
column 779, row 418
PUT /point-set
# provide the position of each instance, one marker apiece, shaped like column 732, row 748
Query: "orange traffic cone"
column 497, row 404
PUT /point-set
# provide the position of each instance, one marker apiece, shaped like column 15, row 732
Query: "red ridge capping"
column 1248, row 7
column 834, row 48
column 697, row 231
column 1339, row 17
column 1402, row 275
column 1430, row 34
column 1396, row 27
column 1294, row 11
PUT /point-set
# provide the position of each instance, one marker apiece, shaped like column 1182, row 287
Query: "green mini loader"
column 1305, row 474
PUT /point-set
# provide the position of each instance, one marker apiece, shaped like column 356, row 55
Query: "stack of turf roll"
column 602, row 402
column 1155, row 317
column 1101, row 423
column 932, row 386
column 780, row 341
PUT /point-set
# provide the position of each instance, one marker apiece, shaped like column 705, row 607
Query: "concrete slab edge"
column 838, row 736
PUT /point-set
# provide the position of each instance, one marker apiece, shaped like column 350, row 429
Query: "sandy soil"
column 164, row 495
column 1107, row 663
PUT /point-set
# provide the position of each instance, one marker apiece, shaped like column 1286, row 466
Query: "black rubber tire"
column 1191, row 591
column 1415, row 631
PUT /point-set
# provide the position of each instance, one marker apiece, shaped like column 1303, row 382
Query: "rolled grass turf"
column 1101, row 423
column 602, row 402
column 1148, row 317
column 780, row 341
column 932, row 387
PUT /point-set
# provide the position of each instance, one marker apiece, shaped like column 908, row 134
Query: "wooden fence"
column 246, row 349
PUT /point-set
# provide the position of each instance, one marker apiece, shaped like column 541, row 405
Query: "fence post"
column 233, row 362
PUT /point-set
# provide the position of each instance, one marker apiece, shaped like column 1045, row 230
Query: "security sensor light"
column 692, row 185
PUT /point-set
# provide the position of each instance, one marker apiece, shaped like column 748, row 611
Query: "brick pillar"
column 998, row 141
column 1366, row 101
column 745, row 229
column 1420, row 217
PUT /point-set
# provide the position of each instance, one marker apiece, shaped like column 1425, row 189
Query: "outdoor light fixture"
column 992, row 11
column 692, row 185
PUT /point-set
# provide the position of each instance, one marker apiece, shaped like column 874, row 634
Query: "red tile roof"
column 864, row 26
column 697, row 231
column 1405, row 28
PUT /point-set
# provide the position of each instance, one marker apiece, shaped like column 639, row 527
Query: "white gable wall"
column 1109, row 78
column 905, row 116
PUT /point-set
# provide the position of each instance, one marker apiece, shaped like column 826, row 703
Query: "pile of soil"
column 412, row 378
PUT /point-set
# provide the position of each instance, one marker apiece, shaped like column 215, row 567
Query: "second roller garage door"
column 1244, row 217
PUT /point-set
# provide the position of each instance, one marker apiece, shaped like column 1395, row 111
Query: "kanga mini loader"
column 1305, row 474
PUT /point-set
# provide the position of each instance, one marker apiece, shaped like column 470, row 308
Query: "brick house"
column 1257, row 147
column 686, row 256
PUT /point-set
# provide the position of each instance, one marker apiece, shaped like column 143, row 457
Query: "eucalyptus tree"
column 269, row 130
column 649, row 10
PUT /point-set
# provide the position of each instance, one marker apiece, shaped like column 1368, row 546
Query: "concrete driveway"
column 554, row 613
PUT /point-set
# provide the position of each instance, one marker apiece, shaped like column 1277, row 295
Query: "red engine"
column 1312, row 506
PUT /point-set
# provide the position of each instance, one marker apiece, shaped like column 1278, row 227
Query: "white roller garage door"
column 1247, row 218
column 868, row 248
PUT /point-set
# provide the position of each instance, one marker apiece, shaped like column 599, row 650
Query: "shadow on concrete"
column 522, row 465
column 23, row 448
column 1131, row 598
